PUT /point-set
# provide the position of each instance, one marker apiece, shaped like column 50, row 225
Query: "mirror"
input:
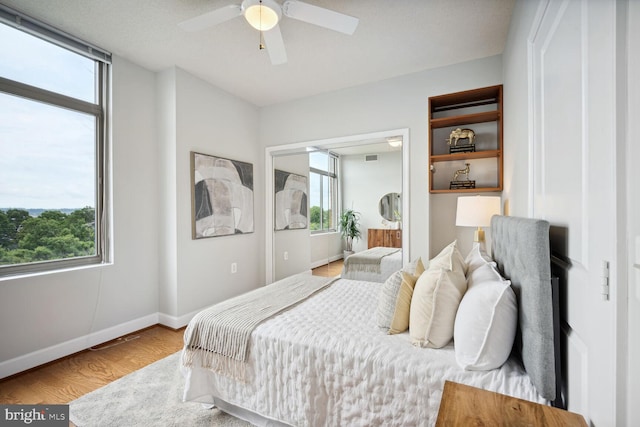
column 368, row 166
column 389, row 205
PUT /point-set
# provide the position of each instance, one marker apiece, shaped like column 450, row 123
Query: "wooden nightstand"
column 463, row 405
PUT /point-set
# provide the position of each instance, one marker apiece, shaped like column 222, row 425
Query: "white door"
column 573, row 147
column 633, row 212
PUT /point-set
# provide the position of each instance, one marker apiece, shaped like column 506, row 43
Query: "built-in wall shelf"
column 481, row 111
column 485, row 154
column 465, row 119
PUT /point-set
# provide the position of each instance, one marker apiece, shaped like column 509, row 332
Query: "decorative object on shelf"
column 466, row 148
column 464, row 172
column 221, row 196
column 397, row 223
column 465, row 116
column 458, row 134
column 392, row 225
column 291, row 201
column 457, row 184
column 350, row 229
column 476, row 211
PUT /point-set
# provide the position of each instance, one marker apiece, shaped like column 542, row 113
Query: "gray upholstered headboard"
column 520, row 247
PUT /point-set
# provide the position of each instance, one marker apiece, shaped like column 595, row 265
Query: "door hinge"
column 605, row 281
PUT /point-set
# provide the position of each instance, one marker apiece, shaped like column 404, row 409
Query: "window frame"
column 99, row 110
column 333, row 179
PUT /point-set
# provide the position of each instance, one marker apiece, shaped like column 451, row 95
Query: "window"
column 323, row 189
column 53, row 99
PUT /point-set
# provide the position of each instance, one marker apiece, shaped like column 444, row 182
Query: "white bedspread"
column 388, row 265
column 324, row 362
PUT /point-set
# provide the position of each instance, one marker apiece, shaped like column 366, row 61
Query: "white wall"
column 211, row 121
column 364, row 183
column 48, row 316
column 195, row 116
column 167, row 248
column 516, row 104
column 390, row 104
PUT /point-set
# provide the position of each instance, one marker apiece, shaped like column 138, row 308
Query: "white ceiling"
column 393, row 38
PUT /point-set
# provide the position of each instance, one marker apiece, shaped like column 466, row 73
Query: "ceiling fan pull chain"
column 261, row 41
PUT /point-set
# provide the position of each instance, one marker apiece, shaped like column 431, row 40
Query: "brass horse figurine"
column 459, row 172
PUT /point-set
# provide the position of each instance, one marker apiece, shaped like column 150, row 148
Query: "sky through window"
column 48, row 153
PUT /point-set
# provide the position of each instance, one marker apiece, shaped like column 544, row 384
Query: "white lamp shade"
column 476, row 211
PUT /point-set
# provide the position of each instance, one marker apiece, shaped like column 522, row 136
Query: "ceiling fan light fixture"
column 261, row 15
column 395, row 142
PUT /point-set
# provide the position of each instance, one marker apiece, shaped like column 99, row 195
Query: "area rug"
column 148, row 397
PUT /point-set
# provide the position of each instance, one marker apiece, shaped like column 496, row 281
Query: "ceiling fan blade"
column 275, row 45
column 320, row 16
column 212, row 18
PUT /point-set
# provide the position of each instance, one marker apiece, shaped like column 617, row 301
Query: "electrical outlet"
column 286, row 255
column 234, row 268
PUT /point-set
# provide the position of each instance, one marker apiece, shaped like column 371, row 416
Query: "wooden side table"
column 463, row 405
column 385, row 237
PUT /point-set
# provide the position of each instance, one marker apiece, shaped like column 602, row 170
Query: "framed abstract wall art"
column 221, row 196
column 291, row 201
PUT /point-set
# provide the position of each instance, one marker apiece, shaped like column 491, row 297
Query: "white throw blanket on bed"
column 220, row 334
column 367, row 261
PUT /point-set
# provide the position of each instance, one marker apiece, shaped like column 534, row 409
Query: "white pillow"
column 435, row 300
column 448, row 258
column 484, row 273
column 485, row 325
column 477, row 257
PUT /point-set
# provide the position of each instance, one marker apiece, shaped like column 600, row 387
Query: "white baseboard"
column 49, row 354
column 40, row 357
column 324, row 261
column 176, row 322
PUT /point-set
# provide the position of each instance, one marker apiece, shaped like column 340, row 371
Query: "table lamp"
column 476, row 211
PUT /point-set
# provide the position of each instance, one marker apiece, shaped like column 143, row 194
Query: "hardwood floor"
column 66, row 379
column 329, row 270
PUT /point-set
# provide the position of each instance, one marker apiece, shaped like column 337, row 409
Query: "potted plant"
column 349, row 228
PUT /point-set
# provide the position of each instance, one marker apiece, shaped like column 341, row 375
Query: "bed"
column 372, row 265
column 325, row 361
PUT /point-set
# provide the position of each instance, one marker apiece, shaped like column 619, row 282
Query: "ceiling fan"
column 264, row 16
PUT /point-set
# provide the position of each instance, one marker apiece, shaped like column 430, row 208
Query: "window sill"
column 28, row 275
